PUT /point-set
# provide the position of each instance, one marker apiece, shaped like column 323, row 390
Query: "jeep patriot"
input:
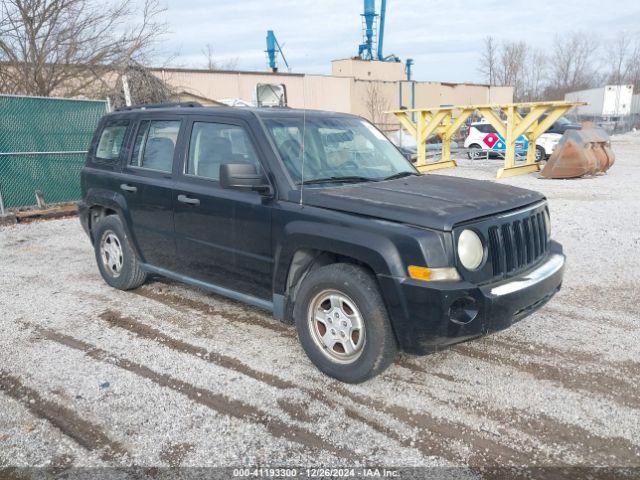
column 318, row 218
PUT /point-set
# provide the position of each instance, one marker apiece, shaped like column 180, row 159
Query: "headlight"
column 470, row 250
column 547, row 222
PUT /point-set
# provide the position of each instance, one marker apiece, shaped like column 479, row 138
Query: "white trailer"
column 605, row 102
column 635, row 104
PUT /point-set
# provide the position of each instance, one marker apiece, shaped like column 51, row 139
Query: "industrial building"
column 362, row 87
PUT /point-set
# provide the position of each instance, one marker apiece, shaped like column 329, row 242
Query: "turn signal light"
column 432, row 274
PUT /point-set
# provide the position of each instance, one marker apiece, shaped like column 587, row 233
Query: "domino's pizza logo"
column 491, row 139
column 496, row 142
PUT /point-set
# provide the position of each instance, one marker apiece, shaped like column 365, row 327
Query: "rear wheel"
column 342, row 323
column 540, row 153
column 116, row 259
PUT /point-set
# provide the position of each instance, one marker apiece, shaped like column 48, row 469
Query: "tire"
column 470, row 153
column 540, row 153
column 116, row 259
column 358, row 312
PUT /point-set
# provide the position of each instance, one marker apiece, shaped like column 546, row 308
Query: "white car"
column 483, row 139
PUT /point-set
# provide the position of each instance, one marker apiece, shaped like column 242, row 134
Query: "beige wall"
column 313, row 91
column 434, row 94
column 364, row 92
column 367, row 70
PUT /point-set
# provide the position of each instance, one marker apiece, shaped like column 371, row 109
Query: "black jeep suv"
column 319, row 219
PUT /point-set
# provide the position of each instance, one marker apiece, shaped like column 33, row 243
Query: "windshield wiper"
column 400, row 175
column 345, row 179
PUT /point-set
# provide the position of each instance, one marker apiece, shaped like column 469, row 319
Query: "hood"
column 431, row 201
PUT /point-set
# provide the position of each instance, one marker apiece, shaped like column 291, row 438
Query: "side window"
column 155, row 143
column 111, row 141
column 213, row 144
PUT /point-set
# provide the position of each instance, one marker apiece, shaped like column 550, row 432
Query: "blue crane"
column 273, row 47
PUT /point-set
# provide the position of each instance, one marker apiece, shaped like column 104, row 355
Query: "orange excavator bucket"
column 580, row 152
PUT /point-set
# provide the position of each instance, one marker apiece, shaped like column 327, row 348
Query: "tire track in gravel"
column 179, row 302
column 551, row 431
column 609, row 387
column 594, row 448
column 628, row 368
column 426, row 444
column 435, row 437
column 295, row 410
column 84, row 433
column 428, row 447
column 496, row 457
column 576, row 313
column 214, row 401
column 141, row 330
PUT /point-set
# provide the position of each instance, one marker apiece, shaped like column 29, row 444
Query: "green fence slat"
column 49, row 125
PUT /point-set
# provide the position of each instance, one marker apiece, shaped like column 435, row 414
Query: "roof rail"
column 149, row 106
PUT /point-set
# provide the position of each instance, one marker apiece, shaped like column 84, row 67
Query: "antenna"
column 304, row 132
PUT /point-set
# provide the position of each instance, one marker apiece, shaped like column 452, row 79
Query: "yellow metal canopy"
column 445, row 121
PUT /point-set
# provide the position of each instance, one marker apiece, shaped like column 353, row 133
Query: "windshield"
column 336, row 149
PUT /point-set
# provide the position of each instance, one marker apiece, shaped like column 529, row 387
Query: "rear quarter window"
column 155, row 144
column 111, row 142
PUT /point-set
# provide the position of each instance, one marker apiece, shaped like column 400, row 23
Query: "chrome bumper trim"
column 549, row 268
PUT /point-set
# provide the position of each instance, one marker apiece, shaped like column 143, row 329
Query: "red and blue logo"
column 496, row 142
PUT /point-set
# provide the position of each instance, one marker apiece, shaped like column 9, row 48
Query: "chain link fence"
column 43, row 144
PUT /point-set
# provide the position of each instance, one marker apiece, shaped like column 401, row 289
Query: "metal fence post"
column 2, row 212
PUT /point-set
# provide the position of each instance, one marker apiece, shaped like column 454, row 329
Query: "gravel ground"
column 169, row 375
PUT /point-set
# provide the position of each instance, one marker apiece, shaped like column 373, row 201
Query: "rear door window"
column 155, row 144
column 111, row 141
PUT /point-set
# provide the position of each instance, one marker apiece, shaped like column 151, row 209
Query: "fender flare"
column 376, row 251
column 98, row 197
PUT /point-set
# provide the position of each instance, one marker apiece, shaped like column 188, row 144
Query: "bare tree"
column 489, row 60
column 622, row 56
column 572, row 64
column 513, row 56
column 213, row 64
column 510, row 64
column 534, row 76
column 376, row 104
column 67, row 47
column 144, row 87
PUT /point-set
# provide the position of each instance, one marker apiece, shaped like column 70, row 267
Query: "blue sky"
column 442, row 36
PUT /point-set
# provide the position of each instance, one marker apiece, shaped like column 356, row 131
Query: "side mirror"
column 243, row 176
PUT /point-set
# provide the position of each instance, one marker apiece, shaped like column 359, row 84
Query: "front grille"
column 518, row 244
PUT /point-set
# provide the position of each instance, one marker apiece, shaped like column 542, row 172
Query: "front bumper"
column 421, row 313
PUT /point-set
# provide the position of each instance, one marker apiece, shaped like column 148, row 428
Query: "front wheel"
column 342, row 323
column 540, row 153
column 474, row 152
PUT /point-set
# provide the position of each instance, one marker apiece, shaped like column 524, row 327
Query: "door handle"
column 190, row 201
column 128, row 188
